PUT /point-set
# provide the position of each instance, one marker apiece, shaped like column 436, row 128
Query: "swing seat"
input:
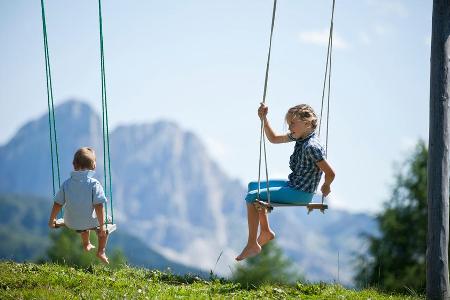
column 59, row 223
column 263, row 205
column 108, row 227
column 320, row 206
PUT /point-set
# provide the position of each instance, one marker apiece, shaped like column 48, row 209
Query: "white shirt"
column 78, row 195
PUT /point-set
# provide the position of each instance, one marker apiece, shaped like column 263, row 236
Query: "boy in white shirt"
column 81, row 195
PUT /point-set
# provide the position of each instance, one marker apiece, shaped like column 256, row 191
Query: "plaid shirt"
column 306, row 174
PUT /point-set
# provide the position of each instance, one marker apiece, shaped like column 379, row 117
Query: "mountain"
column 316, row 240
column 27, row 154
column 169, row 193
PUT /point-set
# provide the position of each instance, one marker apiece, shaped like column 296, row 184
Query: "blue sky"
column 201, row 63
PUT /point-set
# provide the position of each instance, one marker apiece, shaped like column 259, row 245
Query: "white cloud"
column 382, row 29
column 375, row 31
column 216, row 149
column 408, row 144
column 337, row 202
column 321, row 38
column 365, row 38
column 389, row 7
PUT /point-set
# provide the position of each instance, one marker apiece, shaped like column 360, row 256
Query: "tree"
column 396, row 258
column 270, row 266
column 65, row 248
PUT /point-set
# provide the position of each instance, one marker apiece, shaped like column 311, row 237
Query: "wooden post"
column 438, row 156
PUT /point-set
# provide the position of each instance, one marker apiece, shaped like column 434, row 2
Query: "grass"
column 51, row 281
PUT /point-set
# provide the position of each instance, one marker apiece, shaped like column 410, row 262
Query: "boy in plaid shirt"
column 307, row 164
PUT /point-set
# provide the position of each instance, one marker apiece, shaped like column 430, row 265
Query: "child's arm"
column 100, row 217
column 329, row 176
column 55, row 210
column 271, row 135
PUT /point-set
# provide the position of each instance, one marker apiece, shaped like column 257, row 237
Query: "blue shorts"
column 280, row 192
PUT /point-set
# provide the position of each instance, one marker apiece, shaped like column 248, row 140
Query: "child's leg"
column 253, row 185
column 87, row 246
column 266, row 234
column 102, row 240
column 252, row 248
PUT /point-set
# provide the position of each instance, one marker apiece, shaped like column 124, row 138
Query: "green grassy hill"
column 50, row 281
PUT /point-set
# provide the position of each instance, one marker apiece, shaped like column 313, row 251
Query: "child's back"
column 79, row 194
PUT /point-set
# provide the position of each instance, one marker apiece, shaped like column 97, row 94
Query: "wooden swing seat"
column 262, row 205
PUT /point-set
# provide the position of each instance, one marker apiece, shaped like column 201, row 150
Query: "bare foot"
column 249, row 251
column 102, row 256
column 88, row 247
column 265, row 237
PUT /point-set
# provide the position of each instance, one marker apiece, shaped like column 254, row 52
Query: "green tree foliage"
column 23, row 222
column 65, row 248
column 269, row 267
column 396, row 257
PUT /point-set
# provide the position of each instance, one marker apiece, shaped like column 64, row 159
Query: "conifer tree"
column 396, row 256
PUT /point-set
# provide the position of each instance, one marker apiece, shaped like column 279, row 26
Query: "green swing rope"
column 105, row 123
column 52, row 123
column 56, row 179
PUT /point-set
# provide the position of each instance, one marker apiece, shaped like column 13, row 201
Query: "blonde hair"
column 303, row 112
column 84, row 158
